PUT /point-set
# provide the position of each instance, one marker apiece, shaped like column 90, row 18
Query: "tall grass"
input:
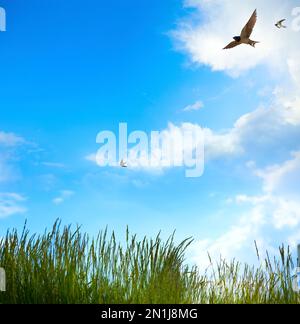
column 66, row 266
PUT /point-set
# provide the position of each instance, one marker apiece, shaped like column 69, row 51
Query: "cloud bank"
column 272, row 216
column 215, row 22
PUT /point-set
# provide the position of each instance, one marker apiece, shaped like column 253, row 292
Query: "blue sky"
column 71, row 69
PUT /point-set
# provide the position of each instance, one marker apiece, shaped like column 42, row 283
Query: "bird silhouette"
column 246, row 32
column 280, row 24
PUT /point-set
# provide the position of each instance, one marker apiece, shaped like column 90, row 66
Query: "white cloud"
column 11, row 204
column 256, row 131
column 286, row 213
column 283, row 177
column 203, row 39
column 272, row 217
column 10, row 139
column 63, row 196
column 281, row 182
column 282, row 211
column 216, row 144
column 204, row 35
column 220, row 144
column 194, row 107
column 233, row 243
column 270, row 221
column 294, row 239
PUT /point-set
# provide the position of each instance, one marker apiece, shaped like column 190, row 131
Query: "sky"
column 70, row 70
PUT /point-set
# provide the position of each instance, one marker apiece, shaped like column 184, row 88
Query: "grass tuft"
column 66, row 266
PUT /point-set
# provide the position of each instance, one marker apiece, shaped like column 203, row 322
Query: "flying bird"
column 280, row 24
column 244, row 38
column 123, row 164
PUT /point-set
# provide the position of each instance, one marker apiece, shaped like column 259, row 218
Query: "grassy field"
column 66, row 266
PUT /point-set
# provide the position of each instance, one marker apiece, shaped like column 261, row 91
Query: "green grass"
column 66, row 266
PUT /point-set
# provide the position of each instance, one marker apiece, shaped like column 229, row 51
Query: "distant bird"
column 244, row 38
column 280, row 24
column 123, row 164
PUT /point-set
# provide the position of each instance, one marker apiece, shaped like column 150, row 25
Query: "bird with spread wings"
column 280, row 24
column 244, row 37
